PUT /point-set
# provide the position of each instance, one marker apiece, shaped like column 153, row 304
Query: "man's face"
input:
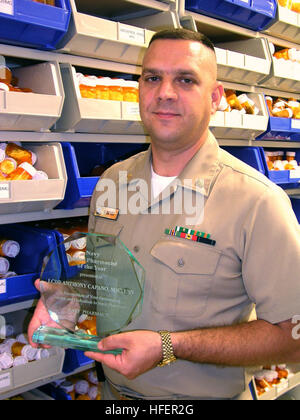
column 178, row 92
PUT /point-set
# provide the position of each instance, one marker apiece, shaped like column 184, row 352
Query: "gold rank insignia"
column 107, row 213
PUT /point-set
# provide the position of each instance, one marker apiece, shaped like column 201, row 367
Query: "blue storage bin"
column 35, row 25
column 81, row 159
column 296, row 207
column 281, row 178
column 35, row 246
column 280, row 129
column 253, row 14
column 250, row 155
column 75, row 359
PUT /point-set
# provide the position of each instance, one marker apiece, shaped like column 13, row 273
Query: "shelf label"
column 295, row 173
column 7, row 7
column 132, row 34
column 130, row 110
column 295, row 123
column 4, row 190
column 5, row 380
column 2, row 289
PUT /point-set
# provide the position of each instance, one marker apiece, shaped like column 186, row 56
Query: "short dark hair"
column 183, row 34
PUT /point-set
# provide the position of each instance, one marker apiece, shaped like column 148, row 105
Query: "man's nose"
column 166, row 91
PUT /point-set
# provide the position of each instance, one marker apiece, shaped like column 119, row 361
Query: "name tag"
column 107, row 213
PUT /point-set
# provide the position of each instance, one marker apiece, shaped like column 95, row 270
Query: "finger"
column 37, row 284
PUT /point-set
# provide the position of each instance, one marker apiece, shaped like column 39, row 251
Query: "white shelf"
column 42, row 215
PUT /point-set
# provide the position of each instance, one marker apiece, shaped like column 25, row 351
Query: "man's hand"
column 40, row 317
column 142, row 351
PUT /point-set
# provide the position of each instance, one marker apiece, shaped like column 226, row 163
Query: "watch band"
column 167, row 348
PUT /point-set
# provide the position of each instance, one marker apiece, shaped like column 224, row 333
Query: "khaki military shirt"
column 255, row 260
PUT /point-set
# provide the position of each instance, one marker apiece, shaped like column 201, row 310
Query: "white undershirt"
column 159, row 183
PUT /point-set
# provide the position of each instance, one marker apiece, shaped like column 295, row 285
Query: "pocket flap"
column 108, row 227
column 186, row 257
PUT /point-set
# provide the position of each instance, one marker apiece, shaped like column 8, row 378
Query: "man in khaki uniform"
column 200, row 292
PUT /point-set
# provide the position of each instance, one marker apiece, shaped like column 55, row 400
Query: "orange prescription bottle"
column 131, row 91
column 102, row 88
column 296, row 6
column 7, row 166
column 87, row 88
column 89, row 325
column 20, row 349
column 9, row 248
column 285, row 3
column 5, row 75
column 19, row 154
column 116, row 92
column 24, row 172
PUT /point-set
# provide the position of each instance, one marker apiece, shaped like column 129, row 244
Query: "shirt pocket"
column 183, row 274
column 107, row 227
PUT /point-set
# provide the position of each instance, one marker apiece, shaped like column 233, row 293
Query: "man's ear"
column 216, row 97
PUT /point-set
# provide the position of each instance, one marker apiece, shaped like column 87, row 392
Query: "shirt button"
column 136, row 248
column 180, row 262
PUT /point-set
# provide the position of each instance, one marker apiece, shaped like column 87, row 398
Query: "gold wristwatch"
column 167, row 348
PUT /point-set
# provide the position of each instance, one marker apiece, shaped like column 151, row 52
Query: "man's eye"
column 186, row 81
column 151, row 78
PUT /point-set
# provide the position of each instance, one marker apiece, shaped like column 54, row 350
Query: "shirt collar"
column 198, row 175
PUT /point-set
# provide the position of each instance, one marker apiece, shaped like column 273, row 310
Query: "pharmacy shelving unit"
column 113, row 38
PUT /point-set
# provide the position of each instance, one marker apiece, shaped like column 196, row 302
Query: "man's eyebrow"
column 179, row 72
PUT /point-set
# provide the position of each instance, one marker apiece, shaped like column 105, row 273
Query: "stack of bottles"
column 106, row 88
column 75, row 249
column 87, row 324
column 279, row 107
column 281, row 161
column 270, row 377
column 237, row 103
column 8, row 249
column 293, row 5
column 16, row 350
column 17, row 164
column 81, row 387
column 290, row 56
column 9, row 83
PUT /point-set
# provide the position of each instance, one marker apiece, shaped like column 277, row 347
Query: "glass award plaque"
column 98, row 293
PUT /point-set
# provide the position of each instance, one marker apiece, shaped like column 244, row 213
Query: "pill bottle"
column 247, row 103
column 81, row 386
column 20, row 349
column 4, row 265
column 76, row 258
column 6, row 361
column 7, row 166
column 5, row 75
column 79, row 244
column 102, row 88
column 24, row 172
column 116, row 90
column 87, row 88
column 9, row 248
column 285, row 3
column 68, row 388
column 290, row 156
column 20, row 361
column 19, row 154
column 296, row 6
column 130, row 91
column 89, row 325
column 233, row 100
column 282, row 113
